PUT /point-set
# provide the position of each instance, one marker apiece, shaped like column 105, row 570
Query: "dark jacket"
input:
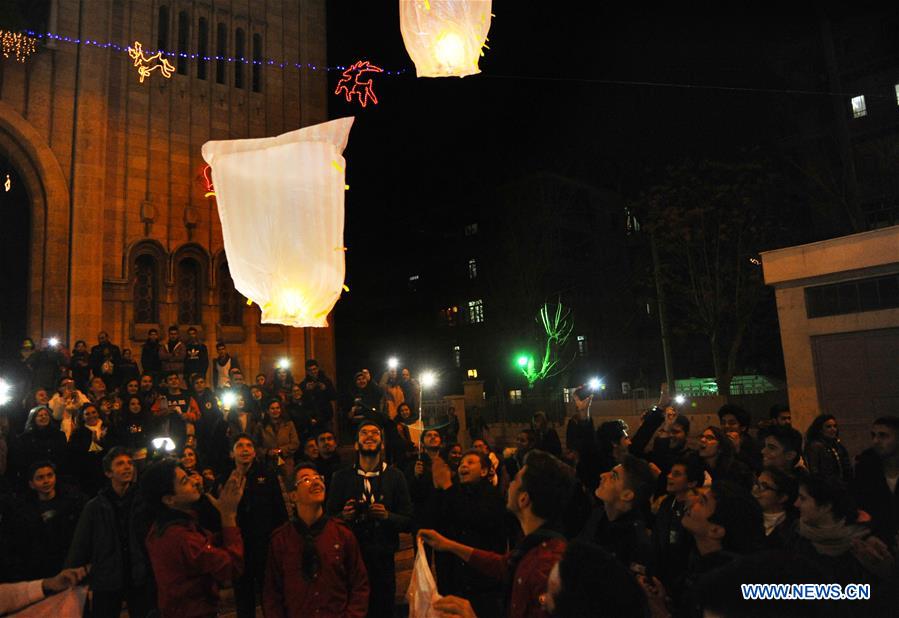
column 85, row 464
column 874, row 496
column 828, row 458
column 107, row 538
column 196, row 359
column 259, row 512
column 104, row 362
column 524, row 570
column 40, row 534
column 626, row 538
column 474, row 515
column 340, row 587
column 317, row 399
column 388, row 488
column 750, row 453
column 190, row 564
column 420, row 490
column 149, row 357
column 671, row 544
column 549, row 441
column 328, row 466
column 37, row 444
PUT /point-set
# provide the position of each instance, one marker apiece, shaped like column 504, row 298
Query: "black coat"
column 36, row 445
column 874, row 496
column 389, row 489
column 474, row 515
column 109, row 538
column 626, row 538
column 671, row 544
column 86, row 465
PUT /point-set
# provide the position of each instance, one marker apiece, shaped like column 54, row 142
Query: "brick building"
column 108, row 196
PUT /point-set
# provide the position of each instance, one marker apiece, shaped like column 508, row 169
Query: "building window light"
column 581, row 345
column 472, row 374
column 566, row 395
column 476, row 311
column 457, row 356
column 858, row 106
column 472, row 268
column 471, row 229
column 515, row 396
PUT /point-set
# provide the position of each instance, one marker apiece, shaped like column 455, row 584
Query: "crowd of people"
column 162, row 488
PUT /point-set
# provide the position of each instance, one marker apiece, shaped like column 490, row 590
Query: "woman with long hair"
column 278, row 438
column 87, row 446
column 718, row 453
column 825, row 455
column 131, row 429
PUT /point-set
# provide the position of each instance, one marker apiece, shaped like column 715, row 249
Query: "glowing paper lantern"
column 444, row 37
column 280, row 200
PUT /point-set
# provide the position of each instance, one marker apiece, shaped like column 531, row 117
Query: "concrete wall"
column 790, row 271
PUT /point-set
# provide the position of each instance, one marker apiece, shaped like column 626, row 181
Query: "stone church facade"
column 122, row 235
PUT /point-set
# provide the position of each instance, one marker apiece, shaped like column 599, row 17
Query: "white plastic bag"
column 280, row 201
column 422, row 590
column 444, row 37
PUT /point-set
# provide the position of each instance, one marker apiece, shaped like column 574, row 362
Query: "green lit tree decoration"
column 557, row 327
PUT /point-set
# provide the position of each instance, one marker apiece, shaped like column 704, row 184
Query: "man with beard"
column 108, row 538
column 374, row 500
column 328, row 457
column 538, row 495
column 314, row 563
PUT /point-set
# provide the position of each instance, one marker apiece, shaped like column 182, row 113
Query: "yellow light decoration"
column 281, row 204
column 17, row 44
column 8, row 184
column 147, row 64
column 444, row 38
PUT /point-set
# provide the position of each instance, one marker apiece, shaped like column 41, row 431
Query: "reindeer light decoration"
column 147, row 64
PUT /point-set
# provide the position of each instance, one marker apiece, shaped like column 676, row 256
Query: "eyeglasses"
column 308, row 480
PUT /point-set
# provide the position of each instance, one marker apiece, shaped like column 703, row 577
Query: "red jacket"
column 530, row 578
column 339, row 589
column 189, row 567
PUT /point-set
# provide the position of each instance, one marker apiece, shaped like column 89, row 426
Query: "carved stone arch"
column 48, row 193
column 147, row 262
column 191, row 276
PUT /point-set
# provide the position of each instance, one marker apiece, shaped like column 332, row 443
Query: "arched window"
column 239, row 53
column 221, row 52
column 202, row 47
column 146, row 289
column 188, row 283
column 162, row 32
column 231, row 303
column 257, row 63
column 183, row 37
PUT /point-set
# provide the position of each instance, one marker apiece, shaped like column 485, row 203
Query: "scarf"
column 832, row 539
column 772, row 520
column 368, row 493
column 311, row 561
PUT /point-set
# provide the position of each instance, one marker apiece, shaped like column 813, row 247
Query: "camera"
column 361, row 505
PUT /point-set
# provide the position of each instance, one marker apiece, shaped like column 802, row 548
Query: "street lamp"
column 679, row 399
column 4, row 392
column 428, row 379
column 595, row 384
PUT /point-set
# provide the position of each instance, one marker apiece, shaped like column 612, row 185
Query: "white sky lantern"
column 280, row 201
column 444, row 37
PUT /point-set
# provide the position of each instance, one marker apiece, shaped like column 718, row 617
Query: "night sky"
column 544, row 102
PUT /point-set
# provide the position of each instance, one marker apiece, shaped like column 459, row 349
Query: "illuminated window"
column 448, row 316
column 581, row 345
column 858, row 106
column 897, row 94
column 413, row 278
column 515, row 396
column 475, row 311
column 472, row 268
column 457, row 356
column 471, row 229
column 472, row 374
column 566, row 395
